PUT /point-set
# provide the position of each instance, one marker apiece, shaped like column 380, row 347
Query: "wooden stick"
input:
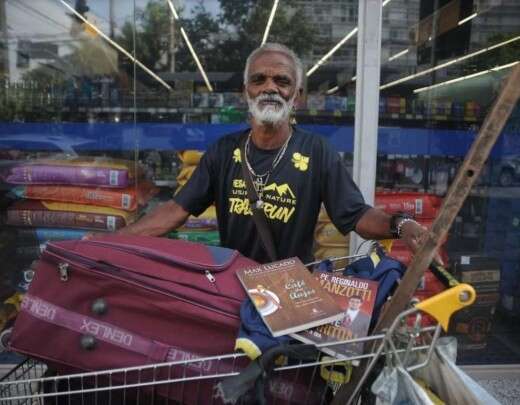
column 459, row 190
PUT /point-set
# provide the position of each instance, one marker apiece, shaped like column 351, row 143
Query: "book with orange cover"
column 288, row 298
column 356, row 297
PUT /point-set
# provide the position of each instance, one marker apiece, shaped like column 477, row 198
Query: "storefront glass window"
column 442, row 66
column 105, row 107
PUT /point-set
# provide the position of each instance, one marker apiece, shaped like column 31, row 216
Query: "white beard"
column 270, row 114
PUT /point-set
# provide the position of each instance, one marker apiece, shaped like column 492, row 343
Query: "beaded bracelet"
column 403, row 221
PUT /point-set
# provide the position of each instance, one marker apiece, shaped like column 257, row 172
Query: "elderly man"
column 293, row 173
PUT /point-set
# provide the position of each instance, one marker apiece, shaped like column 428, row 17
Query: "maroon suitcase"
column 122, row 301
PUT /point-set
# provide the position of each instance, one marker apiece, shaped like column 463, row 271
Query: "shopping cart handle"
column 442, row 306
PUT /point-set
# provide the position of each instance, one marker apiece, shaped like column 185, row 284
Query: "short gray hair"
column 275, row 47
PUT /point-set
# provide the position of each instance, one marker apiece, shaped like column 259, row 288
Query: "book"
column 287, row 297
column 356, row 297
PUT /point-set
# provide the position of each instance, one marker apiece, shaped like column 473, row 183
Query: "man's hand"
column 412, row 234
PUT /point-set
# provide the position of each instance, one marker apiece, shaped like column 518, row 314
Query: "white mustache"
column 270, row 97
column 270, row 114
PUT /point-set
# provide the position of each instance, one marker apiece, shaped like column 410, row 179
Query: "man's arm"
column 375, row 224
column 166, row 217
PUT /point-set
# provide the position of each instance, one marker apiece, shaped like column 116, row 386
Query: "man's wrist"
column 396, row 223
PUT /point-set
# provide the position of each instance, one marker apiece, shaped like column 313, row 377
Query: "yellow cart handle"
column 442, row 306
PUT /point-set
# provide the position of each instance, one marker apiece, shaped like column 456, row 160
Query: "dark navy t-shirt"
column 309, row 174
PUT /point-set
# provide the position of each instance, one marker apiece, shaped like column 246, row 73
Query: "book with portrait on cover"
column 287, row 297
column 356, row 297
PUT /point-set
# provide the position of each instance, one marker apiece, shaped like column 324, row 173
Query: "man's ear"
column 298, row 99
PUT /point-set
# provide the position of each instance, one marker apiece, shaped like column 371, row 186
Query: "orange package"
column 127, row 199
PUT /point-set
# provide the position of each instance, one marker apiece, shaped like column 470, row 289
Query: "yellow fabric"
column 91, row 209
column 331, row 372
column 248, row 347
column 90, row 161
column 387, row 244
column 16, row 300
column 210, row 213
column 328, row 252
column 190, row 157
column 185, row 173
column 434, row 398
column 326, row 235
column 375, row 258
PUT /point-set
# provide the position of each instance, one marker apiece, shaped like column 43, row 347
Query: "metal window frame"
column 368, row 68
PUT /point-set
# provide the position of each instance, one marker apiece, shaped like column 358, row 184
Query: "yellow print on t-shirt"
column 279, row 201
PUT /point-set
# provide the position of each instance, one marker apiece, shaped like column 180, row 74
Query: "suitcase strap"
column 156, row 352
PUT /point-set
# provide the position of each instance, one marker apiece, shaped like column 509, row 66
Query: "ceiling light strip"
column 468, row 18
column 398, row 55
column 116, row 45
column 459, row 79
column 337, row 46
column 270, row 21
column 333, row 90
column 190, row 47
column 197, row 61
column 449, row 63
column 332, row 51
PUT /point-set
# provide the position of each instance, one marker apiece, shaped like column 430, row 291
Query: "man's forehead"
column 272, row 59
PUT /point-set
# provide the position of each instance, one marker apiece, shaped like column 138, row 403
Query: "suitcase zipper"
column 63, row 269
column 92, row 265
column 210, row 276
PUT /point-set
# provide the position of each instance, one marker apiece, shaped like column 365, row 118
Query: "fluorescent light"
column 468, row 18
column 333, row 90
column 354, row 78
column 398, row 55
column 337, row 46
column 192, row 51
column 116, row 45
column 195, row 57
column 270, row 21
column 174, row 12
column 332, row 51
column 449, row 63
column 459, row 79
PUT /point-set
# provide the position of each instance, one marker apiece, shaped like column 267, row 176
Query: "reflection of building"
column 333, row 20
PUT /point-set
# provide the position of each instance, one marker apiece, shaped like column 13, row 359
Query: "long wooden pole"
column 459, row 190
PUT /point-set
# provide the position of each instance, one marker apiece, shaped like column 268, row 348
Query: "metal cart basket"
column 302, row 382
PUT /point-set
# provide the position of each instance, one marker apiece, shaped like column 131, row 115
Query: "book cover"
column 356, row 297
column 287, row 296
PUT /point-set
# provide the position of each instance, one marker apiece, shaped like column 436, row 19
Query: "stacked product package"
column 201, row 229
column 329, row 242
column 64, row 198
column 423, row 207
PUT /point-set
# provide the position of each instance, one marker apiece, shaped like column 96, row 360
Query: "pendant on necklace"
column 259, row 204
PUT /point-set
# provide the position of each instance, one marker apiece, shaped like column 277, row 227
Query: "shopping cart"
column 204, row 380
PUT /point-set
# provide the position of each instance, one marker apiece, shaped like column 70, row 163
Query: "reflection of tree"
column 222, row 43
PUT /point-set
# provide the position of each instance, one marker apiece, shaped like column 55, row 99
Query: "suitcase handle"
column 164, row 257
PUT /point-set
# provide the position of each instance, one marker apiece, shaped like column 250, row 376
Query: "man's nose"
column 270, row 87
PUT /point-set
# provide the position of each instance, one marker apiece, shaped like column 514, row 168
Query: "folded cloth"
column 254, row 337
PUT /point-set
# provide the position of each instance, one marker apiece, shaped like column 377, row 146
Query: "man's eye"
column 283, row 82
column 257, row 79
